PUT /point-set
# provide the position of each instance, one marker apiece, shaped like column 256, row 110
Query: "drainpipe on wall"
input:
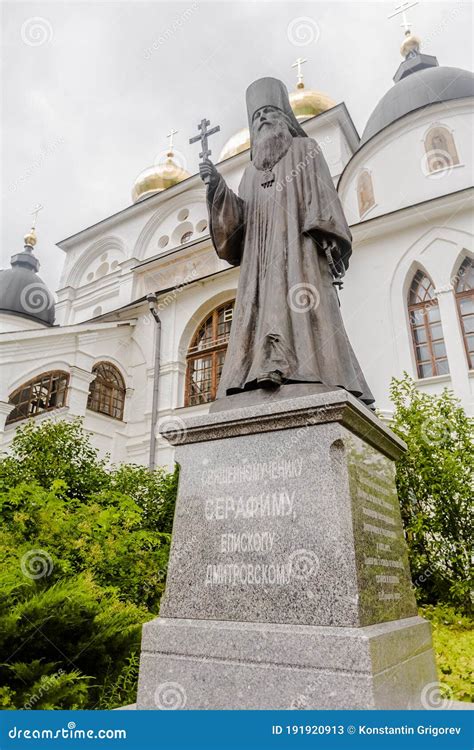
column 152, row 299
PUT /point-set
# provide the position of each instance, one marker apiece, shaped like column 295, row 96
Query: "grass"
column 453, row 640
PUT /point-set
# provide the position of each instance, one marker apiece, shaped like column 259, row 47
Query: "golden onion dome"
column 309, row 103
column 305, row 103
column 237, row 143
column 410, row 44
column 158, row 177
column 30, row 238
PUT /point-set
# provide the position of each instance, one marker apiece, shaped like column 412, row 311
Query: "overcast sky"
column 90, row 89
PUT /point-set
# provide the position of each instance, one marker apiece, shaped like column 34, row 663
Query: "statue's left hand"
column 331, row 248
column 329, row 243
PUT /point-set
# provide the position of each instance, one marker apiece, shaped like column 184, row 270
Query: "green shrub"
column 145, row 487
column 435, row 483
column 83, row 557
column 46, row 452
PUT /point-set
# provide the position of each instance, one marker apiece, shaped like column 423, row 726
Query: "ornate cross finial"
column 297, row 64
column 170, row 136
column 202, row 138
column 35, row 213
column 402, row 9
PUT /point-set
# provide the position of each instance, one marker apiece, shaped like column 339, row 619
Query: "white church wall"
column 374, row 298
column 73, row 350
column 396, row 160
column 185, row 213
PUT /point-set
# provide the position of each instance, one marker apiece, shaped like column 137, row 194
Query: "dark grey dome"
column 23, row 293
column 421, row 88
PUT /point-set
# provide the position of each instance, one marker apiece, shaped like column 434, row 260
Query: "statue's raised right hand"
column 209, row 173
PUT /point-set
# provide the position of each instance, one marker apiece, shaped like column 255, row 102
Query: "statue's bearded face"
column 266, row 118
column 270, row 137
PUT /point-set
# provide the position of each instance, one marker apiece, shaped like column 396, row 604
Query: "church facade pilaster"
column 453, row 338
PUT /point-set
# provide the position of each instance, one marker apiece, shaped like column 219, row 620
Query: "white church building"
column 95, row 350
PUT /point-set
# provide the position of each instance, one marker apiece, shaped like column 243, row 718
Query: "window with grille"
column 464, row 290
column 43, row 393
column 107, row 391
column 426, row 328
column 206, row 356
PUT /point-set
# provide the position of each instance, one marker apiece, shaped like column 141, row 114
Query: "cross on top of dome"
column 30, row 237
column 402, row 10
column 411, row 44
column 297, row 64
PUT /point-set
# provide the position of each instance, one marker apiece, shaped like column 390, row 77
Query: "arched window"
column 206, row 356
column 440, row 149
column 426, row 329
column 107, row 391
column 464, row 290
column 43, row 393
column 365, row 192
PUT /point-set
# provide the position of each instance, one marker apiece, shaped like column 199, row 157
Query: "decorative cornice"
column 306, row 411
column 79, row 375
column 58, row 331
column 407, row 215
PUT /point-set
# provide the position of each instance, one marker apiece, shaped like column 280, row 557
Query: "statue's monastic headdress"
column 267, row 92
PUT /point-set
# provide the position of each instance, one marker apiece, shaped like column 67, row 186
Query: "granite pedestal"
column 288, row 584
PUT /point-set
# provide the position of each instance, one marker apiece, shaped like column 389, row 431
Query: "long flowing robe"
column 287, row 316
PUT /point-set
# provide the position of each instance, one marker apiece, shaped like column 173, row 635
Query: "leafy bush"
column 49, row 451
column 145, row 487
column 83, row 558
column 435, row 482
